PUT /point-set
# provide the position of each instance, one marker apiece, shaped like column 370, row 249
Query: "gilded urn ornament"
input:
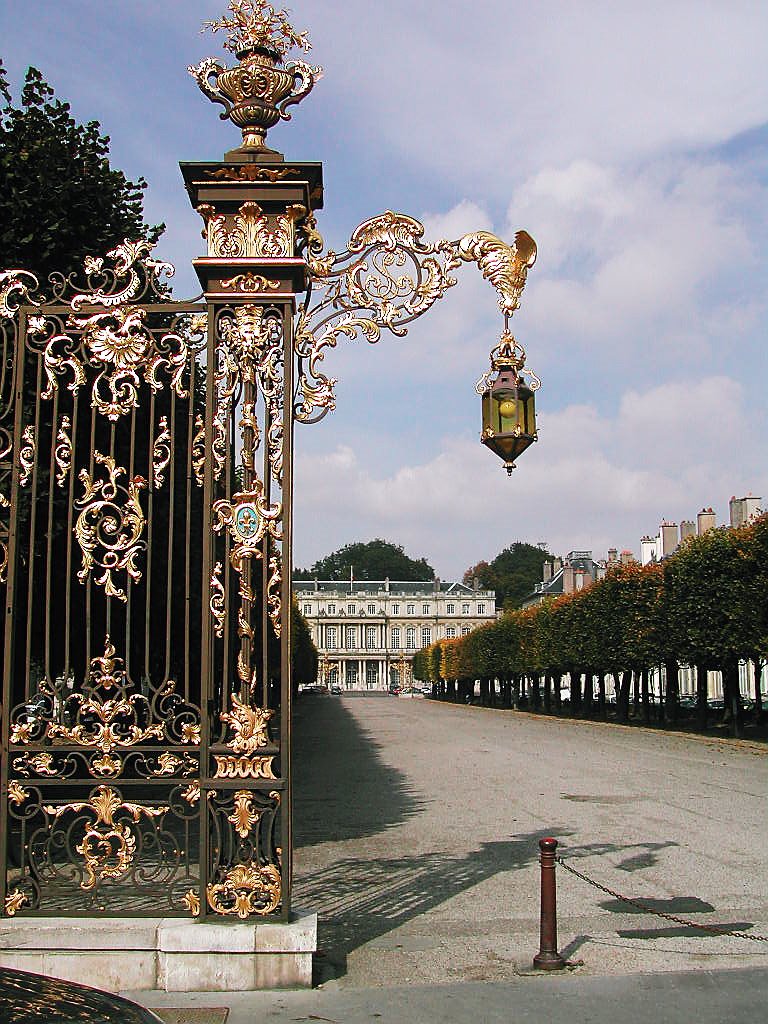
column 256, row 92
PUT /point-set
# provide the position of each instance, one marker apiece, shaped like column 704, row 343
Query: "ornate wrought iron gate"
column 146, row 677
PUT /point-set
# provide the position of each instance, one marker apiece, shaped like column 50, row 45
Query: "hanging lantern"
column 508, row 403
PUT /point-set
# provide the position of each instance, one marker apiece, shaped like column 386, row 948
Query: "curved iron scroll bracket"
column 387, row 277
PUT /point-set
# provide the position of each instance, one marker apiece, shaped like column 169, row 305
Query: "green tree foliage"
column 512, row 573
column 60, row 200
column 372, row 560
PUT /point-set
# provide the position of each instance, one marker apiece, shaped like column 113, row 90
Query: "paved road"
column 725, row 997
column 417, row 828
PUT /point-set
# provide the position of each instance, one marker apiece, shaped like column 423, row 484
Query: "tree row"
column 704, row 608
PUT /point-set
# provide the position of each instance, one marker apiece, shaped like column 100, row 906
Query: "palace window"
column 411, row 609
column 370, row 638
column 450, row 609
column 426, row 636
column 350, row 609
column 351, row 638
column 396, row 638
column 465, row 609
column 307, row 609
column 371, row 609
column 331, row 609
column 331, row 642
column 465, row 630
column 410, row 638
column 481, row 609
column 450, row 632
column 395, row 609
column 425, row 609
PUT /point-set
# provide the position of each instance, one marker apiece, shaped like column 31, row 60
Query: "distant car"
column 336, row 690
column 395, row 690
column 27, row 998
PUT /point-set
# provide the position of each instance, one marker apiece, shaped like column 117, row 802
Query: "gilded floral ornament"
column 192, row 902
column 109, row 533
column 244, row 816
column 253, row 235
column 128, row 271
column 14, row 901
column 16, row 793
column 249, row 724
column 63, row 451
column 218, row 601
column 161, row 453
column 108, row 847
column 198, row 451
column 257, row 25
column 16, row 287
column 246, row 890
column 39, row 764
column 27, row 452
column 107, row 672
column 120, row 341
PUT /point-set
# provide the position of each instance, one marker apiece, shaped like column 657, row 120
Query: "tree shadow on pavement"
column 334, row 761
column 359, row 899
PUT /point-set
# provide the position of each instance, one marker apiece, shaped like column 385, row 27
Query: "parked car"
column 336, row 690
column 395, row 690
column 27, row 998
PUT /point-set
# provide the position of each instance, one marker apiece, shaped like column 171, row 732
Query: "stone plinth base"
column 168, row 954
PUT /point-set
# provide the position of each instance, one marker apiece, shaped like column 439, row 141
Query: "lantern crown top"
column 255, row 25
column 508, row 354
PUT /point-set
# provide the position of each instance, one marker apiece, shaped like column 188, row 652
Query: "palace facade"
column 367, row 631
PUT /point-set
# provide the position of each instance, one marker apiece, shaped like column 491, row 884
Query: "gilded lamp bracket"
column 386, row 278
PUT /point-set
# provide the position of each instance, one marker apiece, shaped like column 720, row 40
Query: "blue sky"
column 631, row 141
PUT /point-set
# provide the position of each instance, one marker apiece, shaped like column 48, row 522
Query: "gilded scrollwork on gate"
column 110, row 526
column 27, row 452
column 120, row 341
column 198, row 450
column 63, row 451
column 108, row 844
column 125, row 274
column 218, row 604
column 250, row 726
column 161, row 453
column 274, row 601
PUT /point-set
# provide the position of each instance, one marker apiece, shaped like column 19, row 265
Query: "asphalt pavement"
column 417, row 828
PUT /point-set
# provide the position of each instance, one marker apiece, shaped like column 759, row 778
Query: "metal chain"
column 658, row 913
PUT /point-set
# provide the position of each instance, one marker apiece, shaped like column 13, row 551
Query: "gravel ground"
column 417, row 828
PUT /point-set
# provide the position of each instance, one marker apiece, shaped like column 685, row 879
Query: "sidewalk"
column 703, row 997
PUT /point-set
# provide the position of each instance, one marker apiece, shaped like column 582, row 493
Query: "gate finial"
column 257, row 92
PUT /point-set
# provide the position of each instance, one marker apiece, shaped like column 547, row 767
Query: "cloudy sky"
column 630, row 139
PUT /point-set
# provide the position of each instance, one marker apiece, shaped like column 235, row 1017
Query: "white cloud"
column 593, row 481
column 496, row 96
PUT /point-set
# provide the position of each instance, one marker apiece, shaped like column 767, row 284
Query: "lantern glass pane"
column 530, row 415
column 508, row 409
column 488, row 417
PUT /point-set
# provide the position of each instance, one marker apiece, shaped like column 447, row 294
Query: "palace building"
column 367, row 631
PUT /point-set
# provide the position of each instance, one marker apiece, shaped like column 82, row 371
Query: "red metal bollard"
column 548, row 958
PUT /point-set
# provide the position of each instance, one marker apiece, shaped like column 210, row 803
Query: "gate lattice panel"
column 127, row 684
